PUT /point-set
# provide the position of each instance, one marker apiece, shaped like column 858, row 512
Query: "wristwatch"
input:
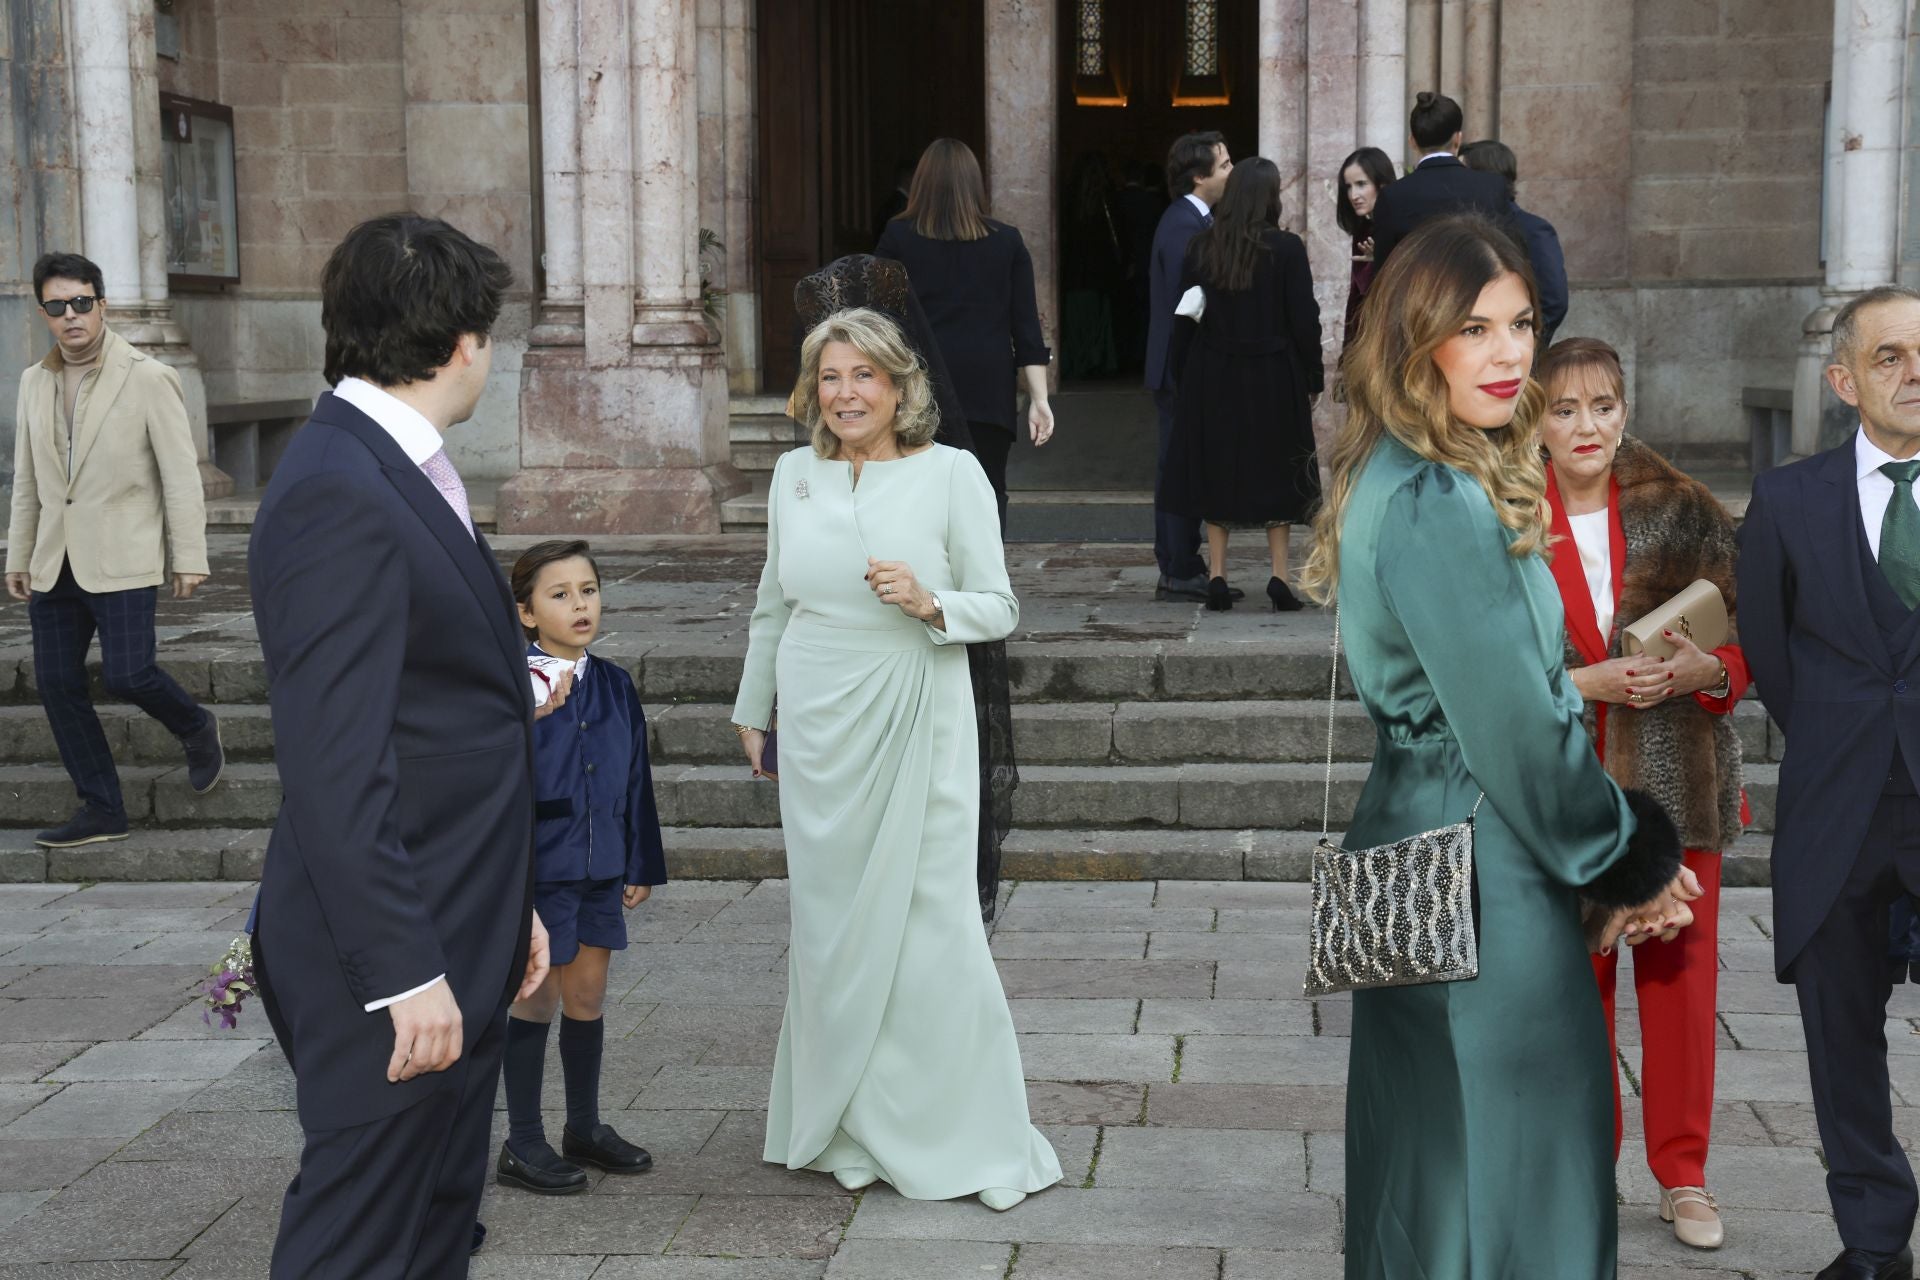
column 1724, row 685
column 938, row 608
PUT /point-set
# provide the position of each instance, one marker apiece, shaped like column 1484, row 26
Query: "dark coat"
column 1672, row 532
column 1542, row 244
column 1178, row 225
column 1438, row 186
column 1846, row 698
column 595, row 811
column 980, row 303
column 1242, row 450
column 402, row 715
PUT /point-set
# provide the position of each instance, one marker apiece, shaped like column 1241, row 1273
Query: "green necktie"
column 1900, row 533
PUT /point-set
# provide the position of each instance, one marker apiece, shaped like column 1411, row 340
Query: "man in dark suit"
column 1829, row 581
column 1537, row 235
column 1439, row 184
column 1197, row 168
column 395, row 915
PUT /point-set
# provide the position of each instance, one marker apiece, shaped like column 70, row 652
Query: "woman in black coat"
column 974, row 278
column 1246, row 353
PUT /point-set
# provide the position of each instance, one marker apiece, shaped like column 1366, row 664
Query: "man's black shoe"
column 87, row 826
column 1858, row 1264
column 206, row 757
column 1194, row 588
column 543, row 1172
column 479, row 1237
column 605, row 1149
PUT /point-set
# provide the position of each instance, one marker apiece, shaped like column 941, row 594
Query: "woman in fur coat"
column 1631, row 532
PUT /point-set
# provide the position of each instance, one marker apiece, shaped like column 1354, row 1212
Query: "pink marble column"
column 1383, row 74
column 626, row 432
column 1022, row 89
column 1283, row 91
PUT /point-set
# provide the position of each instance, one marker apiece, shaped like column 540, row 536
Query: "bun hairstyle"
column 1435, row 120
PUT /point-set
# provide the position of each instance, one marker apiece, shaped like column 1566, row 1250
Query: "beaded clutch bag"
column 1397, row 914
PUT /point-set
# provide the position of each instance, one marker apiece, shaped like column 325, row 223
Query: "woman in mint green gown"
column 1479, row 1113
column 897, row 1059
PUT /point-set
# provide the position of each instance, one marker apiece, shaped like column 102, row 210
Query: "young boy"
column 597, row 852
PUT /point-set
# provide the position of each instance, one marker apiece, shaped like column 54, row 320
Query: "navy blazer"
column 1828, row 677
column 1437, row 187
column 403, row 727
column 594, row 811
column 1549, row 269
column 1178, row 225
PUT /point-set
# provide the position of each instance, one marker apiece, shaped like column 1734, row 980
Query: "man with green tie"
column 1829, row 614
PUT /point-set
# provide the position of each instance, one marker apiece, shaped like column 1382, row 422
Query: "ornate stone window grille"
column 1094, row 84
column 1200, row 83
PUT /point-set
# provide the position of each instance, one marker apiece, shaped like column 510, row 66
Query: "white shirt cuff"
column 378, row 1005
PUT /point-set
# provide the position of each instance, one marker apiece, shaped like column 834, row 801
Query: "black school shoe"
column 87, row 826
column 1858, row 1264
column 206, row 756
column 543, row 1172
column 605, row 1149
column 479, row 1238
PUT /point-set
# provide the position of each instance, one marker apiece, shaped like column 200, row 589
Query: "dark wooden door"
column 850, row 90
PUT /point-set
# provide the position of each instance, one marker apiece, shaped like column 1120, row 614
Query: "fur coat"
column 1685, row 756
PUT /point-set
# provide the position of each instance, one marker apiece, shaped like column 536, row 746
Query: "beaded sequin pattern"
column 1394, row 915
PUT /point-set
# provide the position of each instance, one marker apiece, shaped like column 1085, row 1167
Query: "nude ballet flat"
column 855, row 1179
column 1697, row 1233
column 1001, row 1199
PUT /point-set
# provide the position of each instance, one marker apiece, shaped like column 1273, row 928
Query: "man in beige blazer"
column 106, row 489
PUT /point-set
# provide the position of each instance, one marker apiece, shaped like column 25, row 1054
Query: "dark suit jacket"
column 1549, row 269
column 402, row 714
column 1826, row 674
column 980, row 303
column 1436, row 188
column 1178, row 225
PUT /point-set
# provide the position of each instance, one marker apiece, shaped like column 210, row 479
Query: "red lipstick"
column 1502, row 390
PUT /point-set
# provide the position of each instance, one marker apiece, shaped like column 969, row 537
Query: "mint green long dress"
column 1479, row 1113
column 897, row 1052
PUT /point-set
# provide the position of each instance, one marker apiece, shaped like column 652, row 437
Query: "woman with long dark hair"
column 974, row 278
column 1246, row 353
column 1479, row 1113
column 1363, row 176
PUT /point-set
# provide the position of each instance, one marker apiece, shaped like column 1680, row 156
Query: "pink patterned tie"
column 439, row 469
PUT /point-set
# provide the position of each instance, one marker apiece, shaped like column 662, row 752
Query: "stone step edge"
column 758, row 853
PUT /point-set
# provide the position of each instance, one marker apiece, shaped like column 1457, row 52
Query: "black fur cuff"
column 1650, row 863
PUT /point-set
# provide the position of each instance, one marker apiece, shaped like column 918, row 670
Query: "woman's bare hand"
column 754, row 743
column 1608, row 681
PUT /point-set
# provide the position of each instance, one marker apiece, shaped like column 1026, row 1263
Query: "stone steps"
column 749, row 853
column 1205, row 797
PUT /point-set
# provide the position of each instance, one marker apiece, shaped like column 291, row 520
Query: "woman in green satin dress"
column 1479, row 1113
column 897, row 1060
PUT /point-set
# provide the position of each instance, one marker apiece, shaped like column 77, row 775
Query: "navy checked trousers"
column 65, row 621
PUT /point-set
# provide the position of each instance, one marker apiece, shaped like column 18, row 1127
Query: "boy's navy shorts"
column 581, row 911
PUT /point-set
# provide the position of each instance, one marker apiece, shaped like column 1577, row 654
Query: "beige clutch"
column 1699, row 613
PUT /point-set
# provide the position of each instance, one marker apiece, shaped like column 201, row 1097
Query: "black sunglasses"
column 58, row 306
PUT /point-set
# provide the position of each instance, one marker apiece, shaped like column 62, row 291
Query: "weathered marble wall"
column 728, row 127
column 40, row 171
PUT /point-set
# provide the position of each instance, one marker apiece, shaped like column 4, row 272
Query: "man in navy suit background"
column 1197, row 168
column 1829, row 581
column 395, row 916
column 1439, row 184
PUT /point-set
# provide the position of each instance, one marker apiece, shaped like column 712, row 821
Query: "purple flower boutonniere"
column 228, row 984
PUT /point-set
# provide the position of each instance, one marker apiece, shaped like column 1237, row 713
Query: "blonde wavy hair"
column 1421, row 298
column 875, row 336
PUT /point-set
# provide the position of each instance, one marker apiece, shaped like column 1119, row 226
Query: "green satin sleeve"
column 981, row 606
column 1486, row 629
column 753, row 705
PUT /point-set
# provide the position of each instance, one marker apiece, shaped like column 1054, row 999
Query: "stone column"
column 1283, row 90
column 559, row 321
column 1423, row 66
column 1333, row 124
column 122, row 206
column 1869, row 52
column 1022, row 89
column 728, row 140
column 1480, row 78
column 623, row 429
column 1383, row 75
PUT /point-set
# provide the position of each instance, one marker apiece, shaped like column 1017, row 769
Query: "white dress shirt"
column 1876, row 487
column 1206, row 210
column 1434, row 155
column 1593, row 535
column 419, row 440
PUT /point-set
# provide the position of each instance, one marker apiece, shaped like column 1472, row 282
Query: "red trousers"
column 1676, row 983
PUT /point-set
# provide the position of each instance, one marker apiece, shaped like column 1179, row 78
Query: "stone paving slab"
column 1196, row 1104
